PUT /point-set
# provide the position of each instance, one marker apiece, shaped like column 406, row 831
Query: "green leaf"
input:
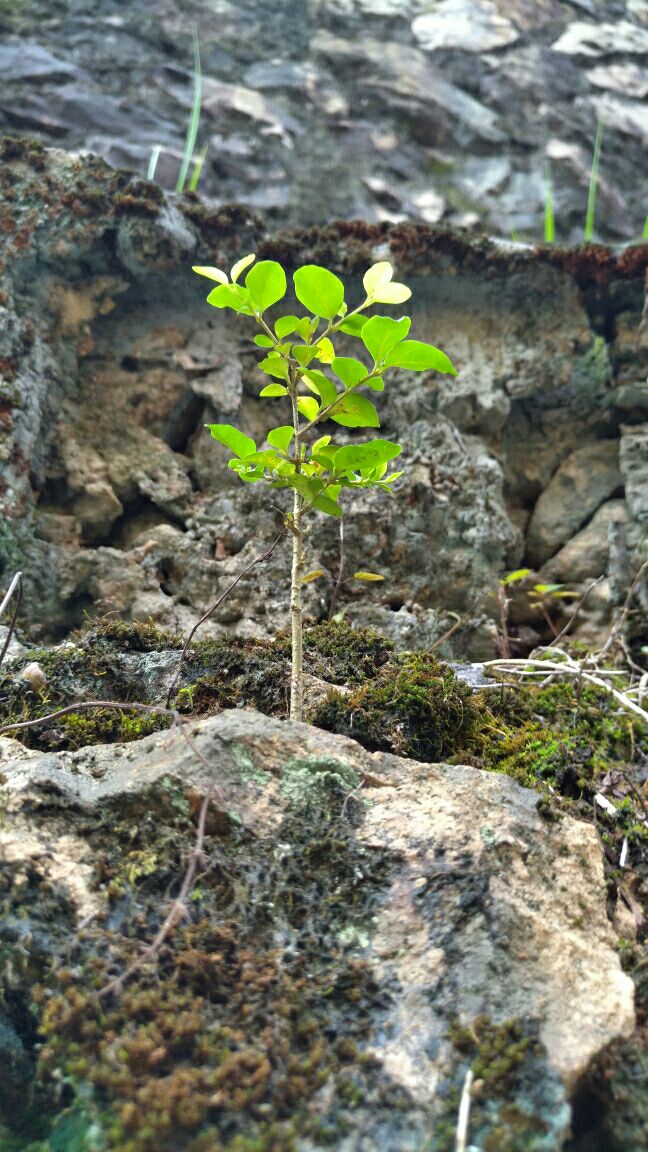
column 362, row 456
column 325, row 504
column 323, row 442
column 308, row 407
column 322, row 386
column 355, row 411
column 368, row 576
column 273, row 390
column 354, row 325
column 377, row 383
column 308, row 488
column 419, row 357
column 275, row 365
column 303, row 353
column 280, row 437
column 319, row 290
column 231, row 296
column 381, row 335
column 267, row 458
column 287, row 324
column 236, row 441
column 266, row 282
column 349, row 370
column 241, row 265
column 264, row 342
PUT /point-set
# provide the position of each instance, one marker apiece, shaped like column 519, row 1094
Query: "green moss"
column 256, row 1003
column 414, row 707
column 340, row 654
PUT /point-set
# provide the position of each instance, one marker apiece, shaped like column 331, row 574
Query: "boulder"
column 584, row 481
column 478, row 926
column 586, row 555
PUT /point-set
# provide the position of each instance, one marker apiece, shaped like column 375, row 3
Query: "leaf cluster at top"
column 304, row 367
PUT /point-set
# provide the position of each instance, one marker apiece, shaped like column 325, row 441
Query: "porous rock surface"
column 487, row 912
column 114, row 499
column 314, row 110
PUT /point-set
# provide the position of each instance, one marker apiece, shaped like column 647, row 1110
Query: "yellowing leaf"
column 368, row 576
column 377, row 276
column 514, row 577
column 392, row 294
column 241, row 265
column 308, row 407
column 211, row 273
column 325, row 351
column 310, row 576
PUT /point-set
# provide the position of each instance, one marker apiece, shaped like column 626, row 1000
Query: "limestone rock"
column 587, row 478
column 586, row 555
column 588, row 39
column 472, row 25
column 486, row 913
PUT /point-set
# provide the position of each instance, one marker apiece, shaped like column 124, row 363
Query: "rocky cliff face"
column 380, row 109
column 114, row 499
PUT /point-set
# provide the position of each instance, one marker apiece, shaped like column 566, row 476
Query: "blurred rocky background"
column 454, row 110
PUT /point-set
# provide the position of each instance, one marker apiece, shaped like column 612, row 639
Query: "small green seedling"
column 317, row 384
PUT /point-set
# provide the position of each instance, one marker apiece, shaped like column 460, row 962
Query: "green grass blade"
column 549, row 220
column 198, row 163
column 153, row 159
column 194, row 120
column 644, row 234
column 590, row 218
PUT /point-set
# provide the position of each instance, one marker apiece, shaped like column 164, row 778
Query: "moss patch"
column 257, row 1005
column 414, row 707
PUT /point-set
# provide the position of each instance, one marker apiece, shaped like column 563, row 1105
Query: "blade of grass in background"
column 590, row 218
column 644, row 235
column 198, row 163
column 152, row 165
column 549, row 220
column 194, row 120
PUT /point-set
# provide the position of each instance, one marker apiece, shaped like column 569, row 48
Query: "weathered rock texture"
column 114, row 499
column 487, row 923
column 382, row 109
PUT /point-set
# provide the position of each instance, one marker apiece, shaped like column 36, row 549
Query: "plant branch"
column 15, row 588
column 263, row 556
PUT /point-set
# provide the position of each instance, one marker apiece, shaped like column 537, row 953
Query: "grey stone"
column 22, row 60
column 515, row 950
column 589, row 39
column 468, row 25
column 586, row 555
column 634, row 467
column 587, row 478
column 628, row 79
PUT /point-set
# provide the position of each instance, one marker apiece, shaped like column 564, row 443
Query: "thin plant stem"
column 263, row 556
column 194, row 119
column 15, row 590
column 340, row 575
column 549, row 220
column 297, row 571
column 198, row 167
column 590, row 218
column 153, row 161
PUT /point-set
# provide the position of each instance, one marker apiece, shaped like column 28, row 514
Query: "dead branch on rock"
column 565, row 665
column 15, row 589
column 217, row 603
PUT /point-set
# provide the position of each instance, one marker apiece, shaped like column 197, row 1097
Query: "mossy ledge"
column 187, row 1058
